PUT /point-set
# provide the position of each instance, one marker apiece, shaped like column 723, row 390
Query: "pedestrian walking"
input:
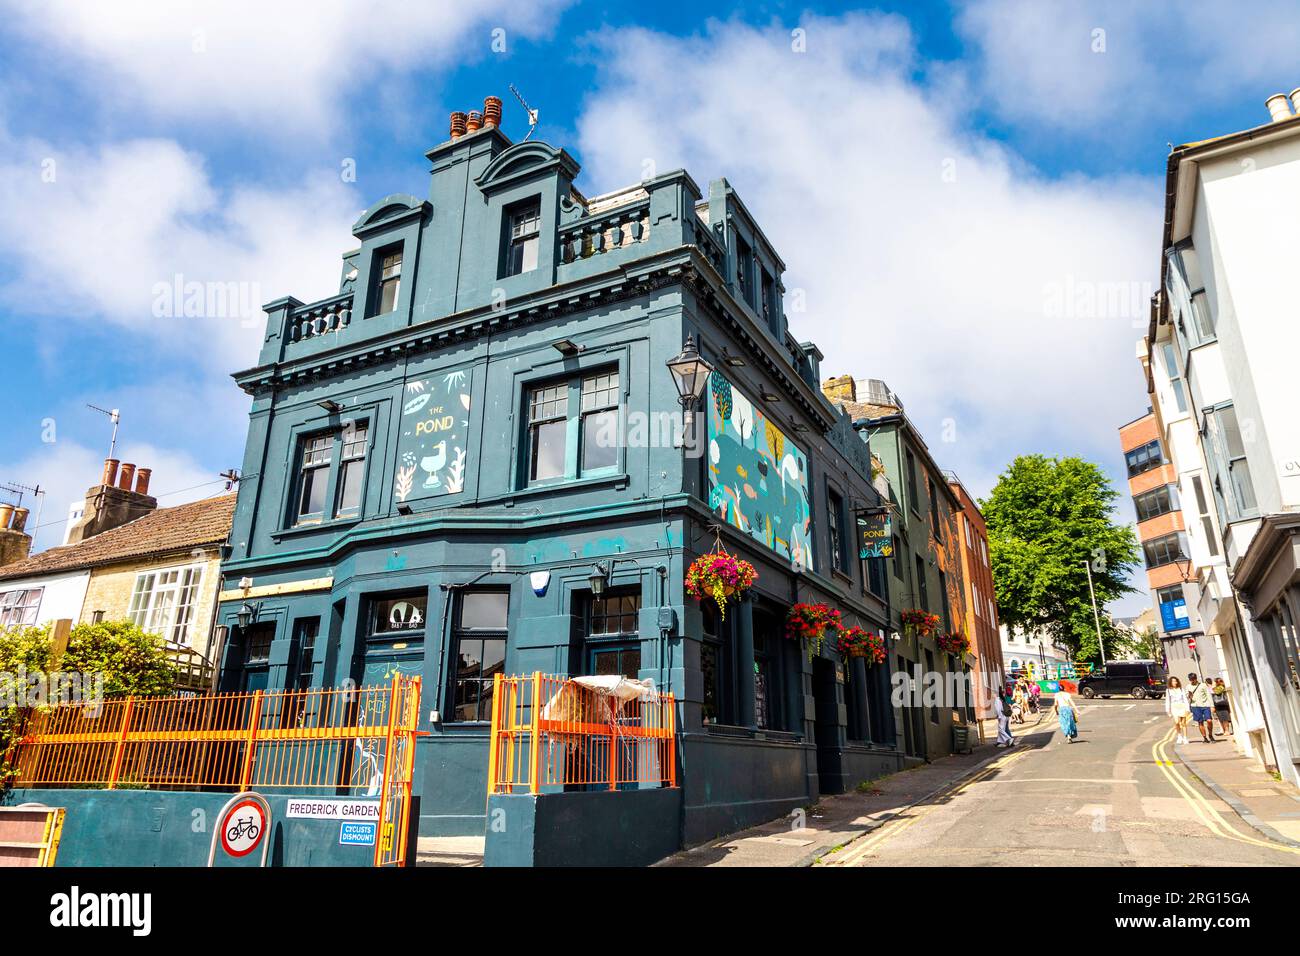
column 1067, row 714
column 1004, row 721
column 1034, row 692
column 1222, row 709
column 1201, row 699
column 1018, row 703
column 1176, row 706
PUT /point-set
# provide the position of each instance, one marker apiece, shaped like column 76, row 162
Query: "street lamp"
column 690, row 374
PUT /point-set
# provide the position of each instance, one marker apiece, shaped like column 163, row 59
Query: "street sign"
column 875, row 534
column 242, row 828
column 358, row 833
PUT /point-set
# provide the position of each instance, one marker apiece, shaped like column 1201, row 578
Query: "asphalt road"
column 1117, row 796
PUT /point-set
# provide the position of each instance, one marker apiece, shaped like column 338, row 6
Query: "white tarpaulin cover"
column 566, row 704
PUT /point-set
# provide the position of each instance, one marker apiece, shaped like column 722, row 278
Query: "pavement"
column 449, row 851
column 799, row 840
column 1267, row 804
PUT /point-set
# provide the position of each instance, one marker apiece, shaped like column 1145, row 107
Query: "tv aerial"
column 532, row 113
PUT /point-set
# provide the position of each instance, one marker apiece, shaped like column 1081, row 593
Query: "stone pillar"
column 745, row 715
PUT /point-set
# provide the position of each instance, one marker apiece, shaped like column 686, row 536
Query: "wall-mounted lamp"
column 404, row 509
column 735, row 361
column 246, row 615
column 598, row 578
column 330, row 406
column 567, row 347
column 690, row 374
column 770, row 396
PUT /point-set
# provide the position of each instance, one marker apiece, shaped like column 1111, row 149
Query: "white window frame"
column 18, row 600
column 170, row 619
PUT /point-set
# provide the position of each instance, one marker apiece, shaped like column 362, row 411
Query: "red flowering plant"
column 720, row 576
column 859, row 642
column 920, row 622
column 809, row 623
column 954, row 642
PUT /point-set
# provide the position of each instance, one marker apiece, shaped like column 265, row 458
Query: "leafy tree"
column 1047, row 518
column 128, row 660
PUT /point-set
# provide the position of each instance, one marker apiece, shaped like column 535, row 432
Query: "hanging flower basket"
column 859, row 642
column 720, row 576
column 809, row 623
column 954, row 643
column 916, row 621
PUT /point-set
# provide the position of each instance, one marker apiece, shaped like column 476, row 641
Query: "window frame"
column 1170, row 494
column 189, row 578
column 8, row 619
column 576, row 413
column 1165, row 556
column 381, row 281
column 1139, row 460
column 481, row 635
column 835, row 527
column 514, row 217
column 336, row 439
column 1216, row 438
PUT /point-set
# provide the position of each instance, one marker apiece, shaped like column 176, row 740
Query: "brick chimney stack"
column 15, row 542
column 121, row 496
column 841, row 389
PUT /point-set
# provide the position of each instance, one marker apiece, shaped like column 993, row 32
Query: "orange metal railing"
column 551, row 733
column 324, row 739
column 354, row 742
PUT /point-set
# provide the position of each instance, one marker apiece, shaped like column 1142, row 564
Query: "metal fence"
column 326, row 739
column 551, row 734
column 357, row 742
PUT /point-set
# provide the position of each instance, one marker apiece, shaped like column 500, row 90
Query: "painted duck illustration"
column 433, row 463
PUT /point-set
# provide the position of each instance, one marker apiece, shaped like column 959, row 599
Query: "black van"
column 1137, row 679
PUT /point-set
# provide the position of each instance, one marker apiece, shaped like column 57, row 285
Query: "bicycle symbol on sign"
column 243, row 827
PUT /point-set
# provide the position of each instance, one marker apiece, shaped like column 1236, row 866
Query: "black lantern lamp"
column 598, row 578
column 690, row 374
column 244, row 616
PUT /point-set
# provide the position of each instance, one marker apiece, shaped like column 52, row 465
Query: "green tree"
column 1047, row 518
column 128, row 660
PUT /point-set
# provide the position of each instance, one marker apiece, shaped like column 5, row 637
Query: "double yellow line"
column 856, row 852
column 1209, row 815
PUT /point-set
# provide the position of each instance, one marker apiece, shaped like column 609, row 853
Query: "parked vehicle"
column 1136, row 679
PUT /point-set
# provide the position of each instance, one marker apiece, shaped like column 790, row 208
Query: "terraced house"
column 464, row 464
column 925, row 572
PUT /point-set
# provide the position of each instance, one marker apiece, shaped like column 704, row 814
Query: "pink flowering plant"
column 720, row 576
column 954, row 642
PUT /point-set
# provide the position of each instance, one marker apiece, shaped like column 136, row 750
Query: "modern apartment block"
column 1167, row 548
column 1220, row 356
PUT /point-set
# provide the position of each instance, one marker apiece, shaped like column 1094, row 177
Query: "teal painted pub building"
column 444, row 455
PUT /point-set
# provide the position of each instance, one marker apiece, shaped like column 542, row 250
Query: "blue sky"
column 954, row 187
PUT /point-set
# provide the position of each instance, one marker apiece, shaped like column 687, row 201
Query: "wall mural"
column 434, row 439
column 758, row 479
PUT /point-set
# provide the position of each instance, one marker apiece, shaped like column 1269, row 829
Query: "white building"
column 1032, row 652
column 1221, row 354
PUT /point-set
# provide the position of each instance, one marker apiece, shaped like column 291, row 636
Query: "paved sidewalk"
column 1271, row 806
column 838, row 820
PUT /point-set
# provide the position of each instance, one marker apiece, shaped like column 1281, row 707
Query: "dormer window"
column 388, row 280
column 524, row 225
column 743, row 259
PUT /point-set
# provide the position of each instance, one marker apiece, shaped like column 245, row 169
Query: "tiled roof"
column 198, row 524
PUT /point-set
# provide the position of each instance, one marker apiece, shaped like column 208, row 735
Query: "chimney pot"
column 492, row 111
column 473, row 121
column 19, row 522
column 1295, row 100
column 1279, row 107
column 125, row 475
column 110, row 472
column 457, row 124
column 6, row 513
column 142, row 480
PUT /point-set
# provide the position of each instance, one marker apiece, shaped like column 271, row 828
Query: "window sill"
column 618, row 480
column 302, row 529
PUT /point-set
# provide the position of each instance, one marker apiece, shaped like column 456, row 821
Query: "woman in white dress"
column 1177, row 707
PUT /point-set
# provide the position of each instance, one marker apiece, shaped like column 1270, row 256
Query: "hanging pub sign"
column 875, row 534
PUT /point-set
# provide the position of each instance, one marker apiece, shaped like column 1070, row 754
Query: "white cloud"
column 65, row 469
column 931, row 256
column 96, row 234
column 1098, row 67
column 285, row 67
